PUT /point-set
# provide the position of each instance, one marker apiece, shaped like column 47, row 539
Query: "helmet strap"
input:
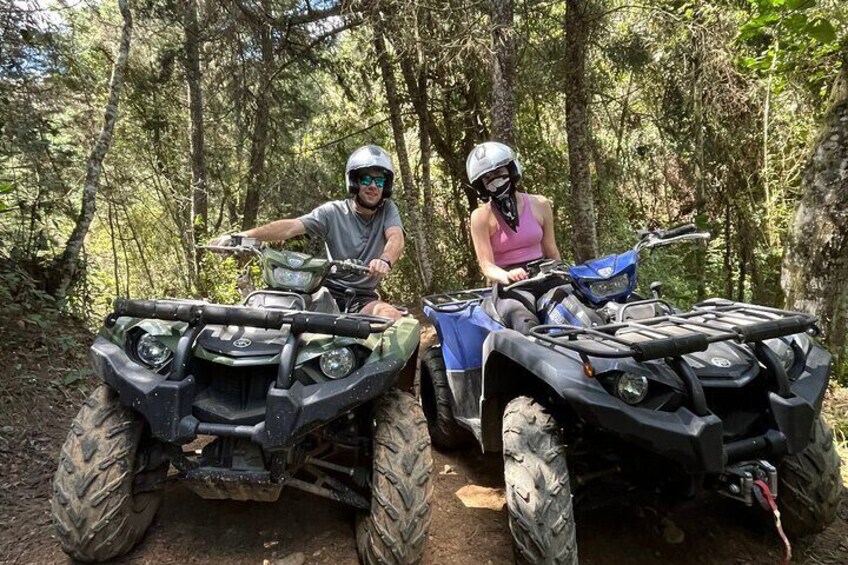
column 360, row 202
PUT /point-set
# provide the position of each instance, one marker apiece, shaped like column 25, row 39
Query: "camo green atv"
column 285, row 390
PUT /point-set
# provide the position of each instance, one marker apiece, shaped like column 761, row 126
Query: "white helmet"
column 366, row 157
column 487, row 157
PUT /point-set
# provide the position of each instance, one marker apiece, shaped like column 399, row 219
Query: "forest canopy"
column 228, row 114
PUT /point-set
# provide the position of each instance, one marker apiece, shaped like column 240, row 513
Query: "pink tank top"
column 517, row 247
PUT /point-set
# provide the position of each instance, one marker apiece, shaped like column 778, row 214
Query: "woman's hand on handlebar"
column 515, row 275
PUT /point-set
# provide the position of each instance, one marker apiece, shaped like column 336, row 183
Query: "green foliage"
column 680, row 132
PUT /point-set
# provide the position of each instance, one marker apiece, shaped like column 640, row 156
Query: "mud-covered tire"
column 437, row 402
column 96, row 514
column 810, row 485
column 538, row 490
column 395, row 531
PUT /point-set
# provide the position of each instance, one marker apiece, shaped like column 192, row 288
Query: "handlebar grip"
column 679, row 230
column 346, row 327
column 669, row 347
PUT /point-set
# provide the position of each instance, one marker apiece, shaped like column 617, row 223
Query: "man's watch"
column 385, row 260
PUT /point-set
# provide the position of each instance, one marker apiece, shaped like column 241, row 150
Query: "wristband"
column 386, row 261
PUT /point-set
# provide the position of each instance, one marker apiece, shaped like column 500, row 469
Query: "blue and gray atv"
column 616, row 391
column 282, row 391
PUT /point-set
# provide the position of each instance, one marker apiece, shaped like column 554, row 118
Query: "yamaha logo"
column 720, row 362
column 242, row 342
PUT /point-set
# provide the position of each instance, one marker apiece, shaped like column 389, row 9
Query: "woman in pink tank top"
column 509, row 230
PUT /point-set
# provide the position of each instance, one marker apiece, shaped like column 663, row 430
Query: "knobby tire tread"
column 538, row 490
column 396, row 529
column 96, row 516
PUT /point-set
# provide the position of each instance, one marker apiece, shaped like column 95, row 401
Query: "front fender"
column 515, row 365
column 167, row 332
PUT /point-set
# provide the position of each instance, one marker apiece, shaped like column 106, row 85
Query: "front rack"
column 678, row 334
column 456, row 301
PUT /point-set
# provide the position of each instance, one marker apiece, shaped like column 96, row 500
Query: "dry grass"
column 836, row 413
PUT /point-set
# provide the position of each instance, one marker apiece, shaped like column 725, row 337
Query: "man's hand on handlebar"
column 225, row 240
column 378, row 268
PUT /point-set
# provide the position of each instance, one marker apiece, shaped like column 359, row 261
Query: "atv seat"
column 558, row 305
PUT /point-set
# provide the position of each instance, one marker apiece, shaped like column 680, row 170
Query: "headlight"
column 610, row 287
column 631, row 388
column 337, row 363
column 151, row 351
column 787, row 356
column 784, row 351
column 292, row 279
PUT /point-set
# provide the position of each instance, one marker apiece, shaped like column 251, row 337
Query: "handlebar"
column 548, row 269
column 349, row 266
column 231, row 249
column 194, row 313
column 661, row 238
column 679, row 230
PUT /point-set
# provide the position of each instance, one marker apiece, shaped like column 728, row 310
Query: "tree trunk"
column 418, row 97
column 503, row 71
column 410, row 190
column 259, row 138
column 815, row 266
column 699, row 254
column 65, row 266
column 578, row 24
column 199, row 190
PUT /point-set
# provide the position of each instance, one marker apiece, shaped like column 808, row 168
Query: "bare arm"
column 483, row 250
column 391, row 252
column 394, row 244
column 549, row 246
column 280, row 230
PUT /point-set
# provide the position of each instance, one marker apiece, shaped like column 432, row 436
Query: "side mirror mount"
column 657, row 289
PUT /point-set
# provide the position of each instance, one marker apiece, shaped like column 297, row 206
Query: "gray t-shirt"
column 350, row 236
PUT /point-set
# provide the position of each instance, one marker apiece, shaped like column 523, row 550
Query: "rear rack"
column 456, row 301
column 678, row 334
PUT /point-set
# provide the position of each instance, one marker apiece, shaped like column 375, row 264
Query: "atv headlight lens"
column 151, row 351
column 299, row 280
column 610, row 287
column 787, row 357
column 784, row 352
column 337, row 363
column 631, row 388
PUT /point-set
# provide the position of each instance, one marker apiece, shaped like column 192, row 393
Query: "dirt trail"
column 35, row 415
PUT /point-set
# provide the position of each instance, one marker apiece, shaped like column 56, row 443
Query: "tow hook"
column 737, row 480
column 752, row 481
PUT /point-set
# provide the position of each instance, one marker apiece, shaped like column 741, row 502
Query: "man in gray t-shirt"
column 365, row 227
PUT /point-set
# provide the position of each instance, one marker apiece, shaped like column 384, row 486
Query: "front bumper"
column 290, row 413
column 696, row 442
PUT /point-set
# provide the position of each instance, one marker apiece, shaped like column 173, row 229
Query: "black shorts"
column 361, row 299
